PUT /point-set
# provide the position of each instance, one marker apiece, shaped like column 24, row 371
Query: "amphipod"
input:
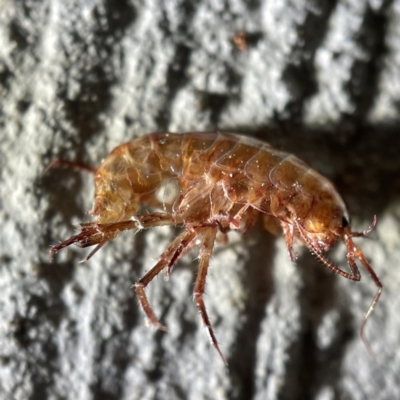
column 210, row 182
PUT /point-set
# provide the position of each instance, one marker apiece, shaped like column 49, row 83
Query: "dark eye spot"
column 345, row 222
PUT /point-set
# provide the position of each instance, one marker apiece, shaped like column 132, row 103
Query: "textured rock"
column 77, row 78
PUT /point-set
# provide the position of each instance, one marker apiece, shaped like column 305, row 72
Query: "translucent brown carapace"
column 210, row 183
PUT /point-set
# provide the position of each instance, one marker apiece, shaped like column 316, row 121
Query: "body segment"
column 210, row 182
column 215, row 172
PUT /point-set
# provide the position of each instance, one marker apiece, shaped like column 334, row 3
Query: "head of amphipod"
column 324, row 226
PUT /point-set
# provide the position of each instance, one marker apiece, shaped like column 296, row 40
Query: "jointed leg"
column 227, row 222
column 249, row 218
column 167, row 259
column 206, row 247
column 93, row 233
column 288, row 231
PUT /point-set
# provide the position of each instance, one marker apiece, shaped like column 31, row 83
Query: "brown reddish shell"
column 210, row 182
column 210, row 174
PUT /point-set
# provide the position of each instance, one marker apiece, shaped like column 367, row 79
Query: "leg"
column 167, row 259
column 227, row 222
column 249, row 218
column 206, row 247
column 92, row 233
column 289, row 233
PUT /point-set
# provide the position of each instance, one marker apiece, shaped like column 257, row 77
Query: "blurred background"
column 320, row 79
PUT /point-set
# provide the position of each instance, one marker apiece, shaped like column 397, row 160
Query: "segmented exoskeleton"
column 210, row 182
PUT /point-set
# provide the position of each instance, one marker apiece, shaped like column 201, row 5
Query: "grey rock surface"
column 320, row 79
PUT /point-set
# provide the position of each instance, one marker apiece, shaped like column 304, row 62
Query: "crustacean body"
column 211, row 183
